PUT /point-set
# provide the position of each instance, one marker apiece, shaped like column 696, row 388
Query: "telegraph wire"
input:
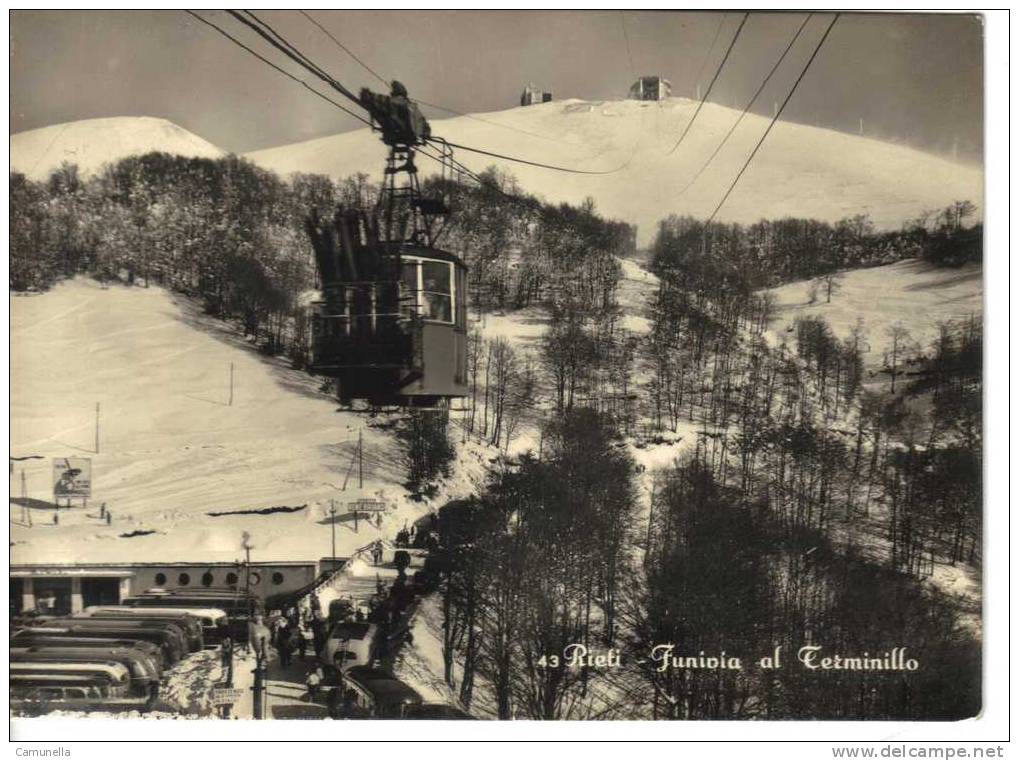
column 774, row 119
column 750, row 104
column 714, row 79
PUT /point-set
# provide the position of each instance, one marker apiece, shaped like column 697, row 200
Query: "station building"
column 65, row 588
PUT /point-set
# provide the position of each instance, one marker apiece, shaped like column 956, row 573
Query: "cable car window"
column 207, row 579
column 160, row 579
column 437, row 290
column 409, row 275
column 184, row 579
column 435, row 277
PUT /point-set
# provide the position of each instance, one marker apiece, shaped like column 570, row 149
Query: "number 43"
column 546, row 661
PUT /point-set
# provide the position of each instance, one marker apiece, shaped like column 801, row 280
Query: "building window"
column 231, row 579
column 160, row 579
column 207, row 579
column 184, row 579
column 256, row 578
column 277, row 578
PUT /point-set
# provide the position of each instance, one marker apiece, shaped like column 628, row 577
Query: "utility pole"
column 97, row 427
column 258, row 688
column 360, row 462
column 247, row 546
column 231, row 402
column 24, row 500
column 332, row 525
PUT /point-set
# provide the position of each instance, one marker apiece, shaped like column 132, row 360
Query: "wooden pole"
column 360, row 464
column 332, row 523
column 231, row 403
column 24, row 499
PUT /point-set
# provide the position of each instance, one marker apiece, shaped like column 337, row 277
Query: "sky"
column 911, row 78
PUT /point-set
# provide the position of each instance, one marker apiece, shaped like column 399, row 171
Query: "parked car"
column 373, row 693
column 350, row 643
column 435, row 711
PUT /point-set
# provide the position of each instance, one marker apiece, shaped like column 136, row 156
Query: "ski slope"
column 910, row 293
column 172, row 448
column 800, row 170
column 92, row 143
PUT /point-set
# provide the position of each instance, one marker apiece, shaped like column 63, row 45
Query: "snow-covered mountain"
column 799, row 171
column 91, row 143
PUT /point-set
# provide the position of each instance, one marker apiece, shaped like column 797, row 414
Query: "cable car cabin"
column 391, row 327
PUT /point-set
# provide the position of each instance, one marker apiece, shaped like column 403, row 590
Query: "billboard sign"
column 72, row 477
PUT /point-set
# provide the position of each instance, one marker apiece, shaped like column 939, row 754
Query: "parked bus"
column 213, row 621
column 187, row 623
column 41, row 686
column 189, row 628
column 168, row 636
column 27, row 638
column 144, row 669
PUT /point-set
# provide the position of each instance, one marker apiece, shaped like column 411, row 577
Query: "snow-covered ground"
column 800, row 170
column 91, row 143
column 172, row 449
column 910, row 292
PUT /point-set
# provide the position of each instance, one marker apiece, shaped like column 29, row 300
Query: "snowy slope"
column 91, row 143
column 909, row 292
column 171, row 448
column 800, row 170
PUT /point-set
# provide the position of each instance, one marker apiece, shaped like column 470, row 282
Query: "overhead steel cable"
column 277, row 40
column 436, row 106
column 626, row 38
column 282, row 71
column 280, row 43
column 711, row 48
column 749, row 105
column 778, row 113
column 291, row 49
column 714, row 79
column 539, row 164
column 345, row 49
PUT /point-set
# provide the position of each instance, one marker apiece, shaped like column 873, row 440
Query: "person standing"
column 281, row 642
column 313, row 682
column 318, row 632
column 227, row 658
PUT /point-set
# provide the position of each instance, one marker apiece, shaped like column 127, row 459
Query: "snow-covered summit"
column 91, row 143
column 800, row 170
